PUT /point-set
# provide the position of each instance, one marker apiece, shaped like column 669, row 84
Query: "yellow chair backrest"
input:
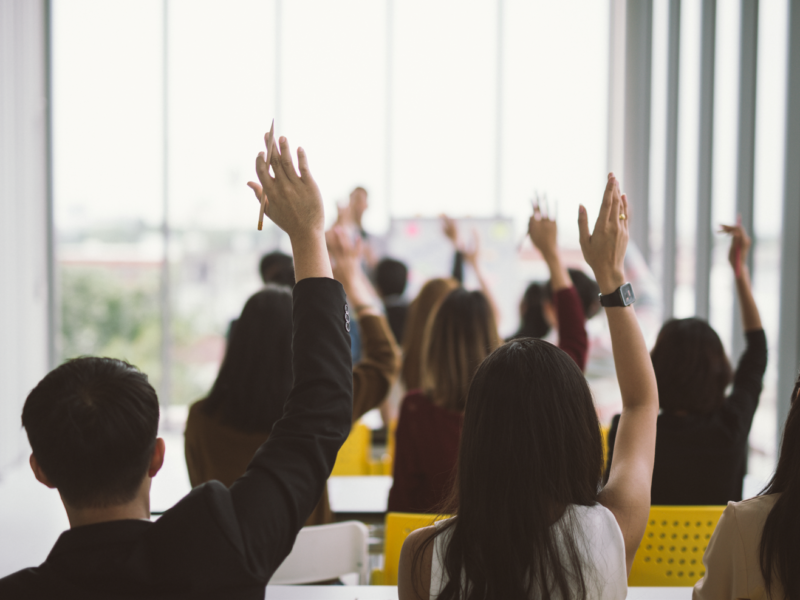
column 398, row 526
column 354, row 455
column 604, row 429
column 671, row 552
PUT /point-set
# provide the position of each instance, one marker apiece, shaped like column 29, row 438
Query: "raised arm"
column 572, row 336
column 287, row 475
column 627, row 493
column 748, row 380
column 375, row 373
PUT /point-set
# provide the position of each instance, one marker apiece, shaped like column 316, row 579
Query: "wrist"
column 610, row 282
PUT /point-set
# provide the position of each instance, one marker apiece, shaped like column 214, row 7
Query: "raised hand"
column 345, row 255
column 294, row 202
column 450, row 230
column 740, row 246
column 295, row 205
column 472, row 253
column 543, row 232
column 604, row 248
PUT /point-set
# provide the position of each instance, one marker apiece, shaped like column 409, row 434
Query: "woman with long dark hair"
column 531, row 517
column 225, row 429
column 701, row 454
column 754, row 552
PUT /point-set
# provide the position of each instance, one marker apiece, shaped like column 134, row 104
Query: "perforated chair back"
column 354, row 455
column 398, row 526
column 323, row 552
column 671, row 552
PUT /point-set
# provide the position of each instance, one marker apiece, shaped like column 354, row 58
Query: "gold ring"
column 622, row 217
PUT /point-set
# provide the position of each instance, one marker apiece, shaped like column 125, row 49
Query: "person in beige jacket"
column 224, row 430
column 754, row 553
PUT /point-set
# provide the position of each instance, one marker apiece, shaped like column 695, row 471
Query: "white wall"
column 24, row 246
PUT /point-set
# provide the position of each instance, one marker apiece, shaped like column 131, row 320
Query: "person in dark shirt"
column 391, row 277
column 701, row 447
column 92, row 424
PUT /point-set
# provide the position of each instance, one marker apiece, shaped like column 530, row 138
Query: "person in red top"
column 559, row 303
column 461, row 334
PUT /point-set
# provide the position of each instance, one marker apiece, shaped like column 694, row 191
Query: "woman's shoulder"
column 751, row 514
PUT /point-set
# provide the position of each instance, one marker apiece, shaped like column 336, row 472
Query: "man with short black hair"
column 277, row 267
column 92, row 424
column 391, row 277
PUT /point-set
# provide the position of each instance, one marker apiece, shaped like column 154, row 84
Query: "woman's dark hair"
column 256, row 375
column 533, row 322
column 692, row 370
column 457, row 338
column 92, row 425
column 530, row 448
column 780, row 551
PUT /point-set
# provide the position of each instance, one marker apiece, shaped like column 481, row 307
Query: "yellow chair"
column 604, row 429
column 354, row 455
column 671, row 552
column 398, row 526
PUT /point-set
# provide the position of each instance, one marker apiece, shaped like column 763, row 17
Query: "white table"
column 359, row 494
column 389, row 592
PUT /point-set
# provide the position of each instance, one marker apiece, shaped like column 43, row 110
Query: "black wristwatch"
column 622, row 296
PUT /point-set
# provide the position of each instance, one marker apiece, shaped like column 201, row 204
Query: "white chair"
column 323, row 552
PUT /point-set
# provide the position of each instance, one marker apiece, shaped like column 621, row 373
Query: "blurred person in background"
column 391, row 277
column 458, row 336
column 224, row 429
column 701, row 448
column 277, row 267
column 565, row 302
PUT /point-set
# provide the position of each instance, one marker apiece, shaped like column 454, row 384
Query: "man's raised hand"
column 294, row 202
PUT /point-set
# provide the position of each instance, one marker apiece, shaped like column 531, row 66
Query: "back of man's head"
column 391, row 277
column 277, row 267
column 92, row 425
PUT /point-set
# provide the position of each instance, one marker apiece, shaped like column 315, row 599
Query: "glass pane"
column 108, row 178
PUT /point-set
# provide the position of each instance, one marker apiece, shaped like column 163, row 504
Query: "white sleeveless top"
column 601, row 547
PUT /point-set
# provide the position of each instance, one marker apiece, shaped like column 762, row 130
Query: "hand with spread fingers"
column 604, row 248
column 295, row 205
column 294, row 202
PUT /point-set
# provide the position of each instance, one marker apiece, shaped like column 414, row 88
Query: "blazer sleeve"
column 724, row 561
column 572, row 336
column 375, row 373
column 288, row 473
column 748, row 380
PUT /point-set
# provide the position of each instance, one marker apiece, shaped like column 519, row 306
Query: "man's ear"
column 39, row 474
column 157, row 460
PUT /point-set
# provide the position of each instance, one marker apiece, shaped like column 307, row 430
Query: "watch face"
column 626, row 292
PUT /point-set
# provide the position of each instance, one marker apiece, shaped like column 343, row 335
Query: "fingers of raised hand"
column 302, row 163
column 608, row 199
column 286, row 160
column 257, row 189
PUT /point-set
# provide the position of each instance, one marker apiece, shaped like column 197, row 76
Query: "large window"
column 399, row 97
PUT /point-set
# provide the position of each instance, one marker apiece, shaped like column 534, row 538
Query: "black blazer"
column 702, row 459
column 219, row 542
